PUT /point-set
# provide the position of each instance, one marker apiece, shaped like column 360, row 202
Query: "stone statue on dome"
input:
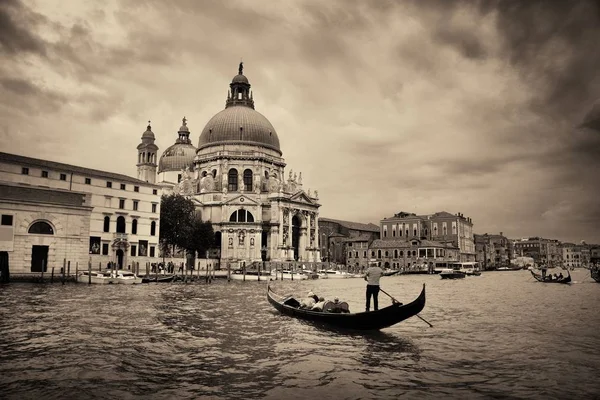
column 300, row 179
column 273, row 184
column 207, row 183
column 241, row 68
column 316, row 194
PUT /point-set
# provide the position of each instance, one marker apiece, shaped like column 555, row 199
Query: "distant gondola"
column 370, row 320
column 539, row 278
column 160, row 278
column 595, row 273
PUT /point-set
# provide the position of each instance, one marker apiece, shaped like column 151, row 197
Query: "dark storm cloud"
column 557, row 42
column 16, row 20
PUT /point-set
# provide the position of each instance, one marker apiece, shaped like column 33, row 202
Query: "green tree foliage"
column 176, row 222
column 202, row 237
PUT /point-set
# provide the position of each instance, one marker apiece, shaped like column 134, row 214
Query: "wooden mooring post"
column 69, row 269
column 64, row 270
column 90, row 271
column 52, row 276
column 43, row 268
column 228, row 272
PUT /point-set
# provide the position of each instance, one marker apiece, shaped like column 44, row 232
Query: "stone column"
column 280, row 241
column 290, row 233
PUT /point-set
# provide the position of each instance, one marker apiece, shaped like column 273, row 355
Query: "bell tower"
column 146, row 161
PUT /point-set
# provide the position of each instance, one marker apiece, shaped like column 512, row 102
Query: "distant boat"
column 539, row 278
column 595, row 274
column 452, row 274
column 159, row 278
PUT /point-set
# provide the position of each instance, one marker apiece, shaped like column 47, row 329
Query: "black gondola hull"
column 373, row 320
column 539, row 278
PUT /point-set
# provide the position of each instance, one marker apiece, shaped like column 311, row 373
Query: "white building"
column 123, row 223
column 238, row 183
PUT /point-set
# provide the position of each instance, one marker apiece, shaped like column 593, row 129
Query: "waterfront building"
column 123, row 225
column 238, row 183
column 575, row 255
column 341, row 240
column 493, row 250
column 455, row 230
column 412, row 254
column 540, row 249
column 40, row 227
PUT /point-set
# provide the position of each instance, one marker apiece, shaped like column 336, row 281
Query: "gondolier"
column 374, row 273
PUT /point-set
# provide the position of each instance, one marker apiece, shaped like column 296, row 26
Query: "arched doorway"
column 120, row 255
column 296, row 235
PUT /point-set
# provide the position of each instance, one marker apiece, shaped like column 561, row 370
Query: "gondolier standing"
column 374, row 273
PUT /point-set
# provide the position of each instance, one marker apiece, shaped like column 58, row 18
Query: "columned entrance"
column 296, row 236
column 39, row 258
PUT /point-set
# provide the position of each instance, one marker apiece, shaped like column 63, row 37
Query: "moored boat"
column 540, row 278
column 158, row 278
column 368, row 320
column 126, row 278
column 95, row 277
column 595, row 274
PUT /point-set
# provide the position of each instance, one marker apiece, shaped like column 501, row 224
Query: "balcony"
column 118, row 235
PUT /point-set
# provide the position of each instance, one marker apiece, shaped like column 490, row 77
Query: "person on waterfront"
column 374, row 273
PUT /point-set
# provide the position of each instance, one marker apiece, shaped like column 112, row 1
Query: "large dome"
column 239, row 124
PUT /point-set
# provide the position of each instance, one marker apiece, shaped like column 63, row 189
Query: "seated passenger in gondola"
column 309, row 301
column 560, row 276
column 336, row 306
column 319, row 305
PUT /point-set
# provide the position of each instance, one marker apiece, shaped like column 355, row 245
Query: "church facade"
column 237, row 179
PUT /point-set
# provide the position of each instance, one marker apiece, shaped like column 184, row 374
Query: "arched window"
column 232, row 180
column 41, row 228
column 107, row 224
column 414, row 253
column 386, row 253
column 134, row 227
column 241, row 216
column 401, row 253
column 425, row 231
column 395, row 253
column 121, row 224
column 372, row 253
column 248, row 180
column 153, row 228
column 378, row 253
column 214, row 173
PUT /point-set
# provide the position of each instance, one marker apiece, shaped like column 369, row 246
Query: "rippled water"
column 500, row 335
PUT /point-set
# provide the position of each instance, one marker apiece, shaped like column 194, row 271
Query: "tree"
column 202, row 237
column 176, row 222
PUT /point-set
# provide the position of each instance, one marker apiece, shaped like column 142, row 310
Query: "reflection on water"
column 495, row 336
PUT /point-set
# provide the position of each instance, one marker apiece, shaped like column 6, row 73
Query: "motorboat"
column 95, row 277
column 452, row 274
column 125, row 277
column 289, row 274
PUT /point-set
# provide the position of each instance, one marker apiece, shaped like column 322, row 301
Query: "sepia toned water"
column 500, row 335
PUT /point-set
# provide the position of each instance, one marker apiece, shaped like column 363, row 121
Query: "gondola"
column 538, row 277
column 595, row 274
column 370, row 320
column 391, row 273
column 160, row 278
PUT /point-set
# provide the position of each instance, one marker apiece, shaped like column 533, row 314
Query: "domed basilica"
column 236, row 177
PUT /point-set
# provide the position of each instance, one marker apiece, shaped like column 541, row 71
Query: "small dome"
column 225, row 126
column 177, row 157
column 180, row 155
column 240, row 79
column 148, row 134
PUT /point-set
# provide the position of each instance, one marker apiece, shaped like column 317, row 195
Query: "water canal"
column 500, row 335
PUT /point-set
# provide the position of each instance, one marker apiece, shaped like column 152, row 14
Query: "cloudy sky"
column 484, row 108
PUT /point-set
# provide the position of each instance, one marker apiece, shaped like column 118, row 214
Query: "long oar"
column 396, row 301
